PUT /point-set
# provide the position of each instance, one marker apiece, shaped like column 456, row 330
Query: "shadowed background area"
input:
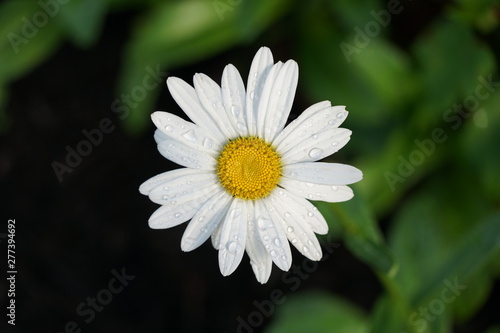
column 416, row 249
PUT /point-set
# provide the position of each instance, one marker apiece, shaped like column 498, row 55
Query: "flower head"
column 248, row 178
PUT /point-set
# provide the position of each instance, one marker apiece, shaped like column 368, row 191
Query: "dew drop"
column 316, row 153
column 289, row 229
column 240, row 126
column 263, row 223
column 335, row 188
column 200, row 219
column 235, row 110
column 294, row 241
column 252, row 94
column 255, row 74
column 287, row 214
column 273, row 253
column 310, row 196
column 208, row 143
column 305, row 249
column 165, row 197
column 278, row 93
column 169, row 128
column 340, row 115
column 335, row 143
column 177, row 215
column 310, row 214
column 233, row 247
column 277, row 242
column 332, row 122
column 310, row 243
column 265, row 238
column 189, row 136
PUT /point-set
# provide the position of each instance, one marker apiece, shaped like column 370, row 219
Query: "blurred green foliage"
column 425, row 120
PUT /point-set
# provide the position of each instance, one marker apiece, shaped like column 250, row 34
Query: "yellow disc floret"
column 249, row 168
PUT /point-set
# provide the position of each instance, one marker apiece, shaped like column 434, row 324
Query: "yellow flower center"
column 249, row 168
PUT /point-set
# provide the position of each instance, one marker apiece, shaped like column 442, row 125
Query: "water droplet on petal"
column 240, row 126
column 334, row 143
column 277, row 242
column 252, row 94
column 177, row 215
column 340, row 115
column 335, row 188
column 310, row 196
column 310, row 214
column 316, row 153
column 189, row 136
column 290, row 229
column 169, row 128
column 235, row 110
column 332, row 122
column 278, row 93
column 208, row 143
column 273, row 253
column 305, row 249
column 287, row 214
column 233, row 247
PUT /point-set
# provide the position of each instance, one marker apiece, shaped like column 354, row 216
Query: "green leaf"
column 361, row 233
column 317, row 312
column 26, row 44
column 469, row 257
column 450, row 59
column 82, row 20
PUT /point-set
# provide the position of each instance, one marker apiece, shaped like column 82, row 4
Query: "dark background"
column 71, row 235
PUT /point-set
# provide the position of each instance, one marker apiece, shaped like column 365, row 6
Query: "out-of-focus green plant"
column 425, row 118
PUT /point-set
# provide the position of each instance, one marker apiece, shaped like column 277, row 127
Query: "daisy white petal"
column 272, row 235
column 205, row 221
column 307, row 212
column 170, row 215
column 186, row 186
column 317, row 146
column 264, row 98
column 319, row 192
column 163, row 179
column 233, row 237
column 316, row 119
column 280, row 94
column 186, row 97
column 210, row 97
column 323, row 173
column 261, row 65
column 185, row 132
column 233, row 95
column 215, row 238
column 260, row 260
column 297, row 230
column 159, row 136
column 186, row 156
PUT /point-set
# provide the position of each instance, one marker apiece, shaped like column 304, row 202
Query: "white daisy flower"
column 247, row 179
